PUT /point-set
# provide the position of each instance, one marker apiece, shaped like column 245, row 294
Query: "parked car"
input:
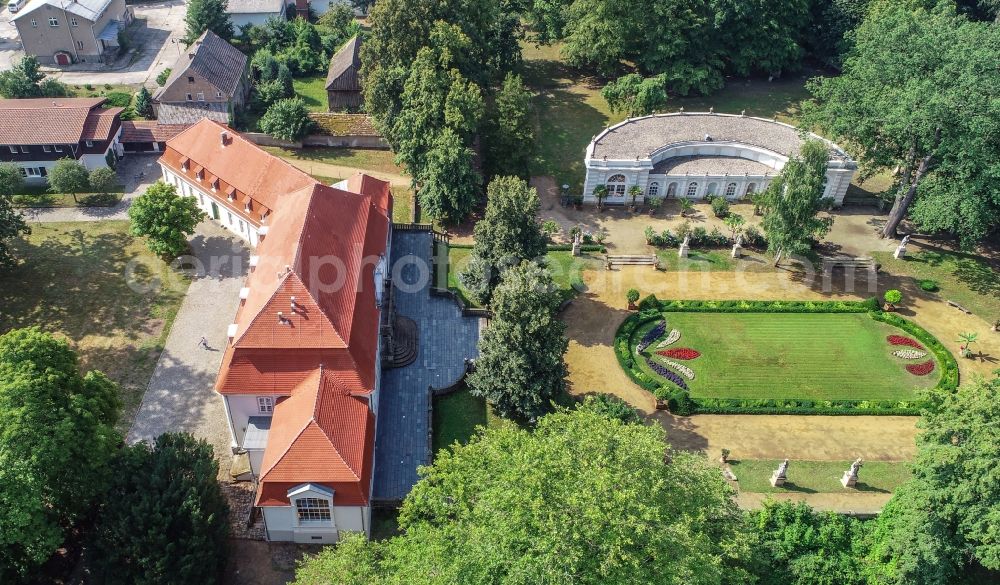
column 15, row 5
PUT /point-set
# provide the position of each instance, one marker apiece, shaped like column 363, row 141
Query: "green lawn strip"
column 810, row 356
column 402, row 205
column 359, row 158
column 967, row 279
column 42, row 198
column 456, row 417
column 82, row 91
column 312, row 90
column 697, row 260
column 754, row 475
column 73, row 282
column 570, row 110
column 567, row 270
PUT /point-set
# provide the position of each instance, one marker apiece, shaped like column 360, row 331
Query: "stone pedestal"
column 900, row 252
column 778, row 480
column 737, row 251
column 683, row 251
column 849, row 480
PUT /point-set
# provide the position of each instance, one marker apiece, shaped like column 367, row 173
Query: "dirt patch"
column 254, row 562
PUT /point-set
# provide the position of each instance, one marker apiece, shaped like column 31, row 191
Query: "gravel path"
column 180, row 395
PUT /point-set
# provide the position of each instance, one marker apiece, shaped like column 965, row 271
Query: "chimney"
column 224, row 136
column 292, row 299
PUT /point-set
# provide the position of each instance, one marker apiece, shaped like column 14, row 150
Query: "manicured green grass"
column 968, row 279
column 100, row 90
column 819, row 476
column 402, row 205
column 456, row 417
column 359, row 158
column 697, row 260
column 570, row 110
column 312, row 90
column 811, row 356
column 567, row 270
column 42, row 198
column 74, row 282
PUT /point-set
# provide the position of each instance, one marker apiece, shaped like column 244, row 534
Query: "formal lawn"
column 570, row 110
column 312, row 90
column 970, row 280
column 74, row 282
column 567, row 270
column 810, row 356
column 357, row 158
column 819, row 476
column 456, row 417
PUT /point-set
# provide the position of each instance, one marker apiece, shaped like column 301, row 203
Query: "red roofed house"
column 301, row 372
column 35, row 133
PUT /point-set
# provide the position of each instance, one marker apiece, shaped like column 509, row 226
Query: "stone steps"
column 405, row 343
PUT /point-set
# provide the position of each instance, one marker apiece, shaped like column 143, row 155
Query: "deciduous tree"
column 287, row 119
column 165, row 218
column 103, row 180
column 583, row 498
column 634, row 95
column 761, row 35
column 449, row 185
column 69, row 176
column 205, row 15
column 510, row 135
column 508, row 234
column 164, row 520
column 520, row 369
column 57, row 437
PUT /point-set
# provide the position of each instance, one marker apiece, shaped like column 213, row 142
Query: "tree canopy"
column 12, row 222
column 635, row 95
column 520, row 369
column 69, row 176
column 165, row 218
column 205, row 15
column 164, row 520
column 583, row 498
column 918, row 92
column 287, row 119
column 57, row 438
column 508, row 234
column 25, row 80
column 510, row 132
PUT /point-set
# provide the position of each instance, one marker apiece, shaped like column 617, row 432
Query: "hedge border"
column 550, row 248
column 680, row 402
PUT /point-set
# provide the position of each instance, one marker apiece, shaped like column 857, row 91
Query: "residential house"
column 208, row 81
column 301, row 371
column 320, row 7
column 254, row 12
column 343, row 82
column 35, row 133
column 61, row 32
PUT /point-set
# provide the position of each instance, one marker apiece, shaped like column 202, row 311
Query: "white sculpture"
column 900, row 252
column 738, row 247
column 850, row 478
column 780, row 475
column 685, row 246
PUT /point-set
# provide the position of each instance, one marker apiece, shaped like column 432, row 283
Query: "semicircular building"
column 697, row 155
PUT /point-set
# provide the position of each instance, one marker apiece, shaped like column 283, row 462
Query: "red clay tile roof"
column 149, row 131
column 46, row 120
column 321, row 434
column 100, row 124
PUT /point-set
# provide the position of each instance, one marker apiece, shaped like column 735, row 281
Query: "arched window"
column 654, row 189
column 672, row 190
column 730, row 190
column 751, row 189
column 692, row 189
column 712, row 188
column 616, row 186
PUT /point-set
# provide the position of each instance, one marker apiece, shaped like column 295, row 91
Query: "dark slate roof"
column 188, row 113
column 220, row 63
column 344, row 66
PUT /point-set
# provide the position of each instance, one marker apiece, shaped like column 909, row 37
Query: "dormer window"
column 215, row 185
column 200, row 175
column 246, row 208
column 185, row 164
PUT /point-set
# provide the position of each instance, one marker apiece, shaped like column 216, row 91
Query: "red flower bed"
column 900, row 340
column 680, row 353
column 921, row 369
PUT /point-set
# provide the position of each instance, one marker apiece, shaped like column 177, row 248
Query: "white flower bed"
column 682, row 369
column 909, row 354
column 671, row 338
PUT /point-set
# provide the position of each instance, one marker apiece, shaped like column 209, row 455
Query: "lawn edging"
column 679, row 401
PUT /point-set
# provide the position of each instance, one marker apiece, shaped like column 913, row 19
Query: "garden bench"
column 631, row 260
column 850, row 264
column 959, row 307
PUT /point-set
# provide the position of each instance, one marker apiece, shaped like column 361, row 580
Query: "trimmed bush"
column 720, row 207
column 649, row 303
column 929, row 285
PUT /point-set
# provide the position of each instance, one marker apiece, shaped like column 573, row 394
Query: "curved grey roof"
column 640, row 137
column 712, row 165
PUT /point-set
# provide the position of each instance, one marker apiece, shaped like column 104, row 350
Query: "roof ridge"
column 319, row 307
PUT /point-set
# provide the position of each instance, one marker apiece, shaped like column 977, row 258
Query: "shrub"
column 611, row 406
column 720, row 207
column 649, row 303
column 893, row 296
column 650, row 234
column 929, row 285
column 89, row 87
column 632, row 295
column 161, row 79
column 752, row 238
column 118, row 99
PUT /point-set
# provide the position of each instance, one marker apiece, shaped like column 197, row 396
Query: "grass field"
column 359, row 158
column 73, row 283
column 565, row 268
column 570, row 110
column 819, row 476
column 456, row 417
column 811, row 356
column 968, row 279
column 312, row 90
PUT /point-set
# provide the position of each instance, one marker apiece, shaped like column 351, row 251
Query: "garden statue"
column 900, row 252
column 850, row 478
column 738, row 247
column 780, row 475
column 577, row 240
column 685, row 245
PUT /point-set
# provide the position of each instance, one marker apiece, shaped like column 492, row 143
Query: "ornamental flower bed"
column 901, row 340
column 680, row 353
column 666, row 373
column 651, row 336
column 909, row 354
column 684, row 370
column 671, row 338
column 921, row 369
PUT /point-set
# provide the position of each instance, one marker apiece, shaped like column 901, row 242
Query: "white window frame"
column 319, row 512
column 89, row 143
column 13, row 149
column 53, row 22
column 265, row 404
column 73, row 22
column 187, row 97
column 616, row 185
column 46, row 148
column 730, row 190
column 201, row 96
column 24, row 149
column 33, row 172
column 57, row 148
column 654, row 189
column 34, row 23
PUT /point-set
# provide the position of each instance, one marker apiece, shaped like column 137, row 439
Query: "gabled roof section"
column 344, row 67
column 89, row 9
column 100, row 123
column 47, row 120
column 212, row 58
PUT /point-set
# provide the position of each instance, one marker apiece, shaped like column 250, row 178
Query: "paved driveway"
column 10, row 46
column 446, row 340
column 180, row 395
